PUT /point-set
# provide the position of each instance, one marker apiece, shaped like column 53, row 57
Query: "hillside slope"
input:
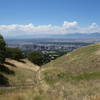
column 82, row 60
column 74, row 76
column 17, row 73
column 83, row 63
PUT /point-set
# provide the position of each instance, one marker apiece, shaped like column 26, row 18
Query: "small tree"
column 36, row 57
column 14, row 53
column 2, row 50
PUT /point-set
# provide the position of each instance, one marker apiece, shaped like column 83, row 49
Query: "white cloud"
column 93, row 28
column 70, row 24
column 29, row 29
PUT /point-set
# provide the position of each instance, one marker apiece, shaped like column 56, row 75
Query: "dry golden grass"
column 69, row 91
column 82, row 65
column 21, row 72
column 24, row 64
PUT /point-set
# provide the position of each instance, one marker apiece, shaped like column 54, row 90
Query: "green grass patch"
column 86, row 76
column 53, row 78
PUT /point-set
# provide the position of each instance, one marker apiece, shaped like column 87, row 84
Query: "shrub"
column 14, row 53
column 36, row 57
column 2, row 50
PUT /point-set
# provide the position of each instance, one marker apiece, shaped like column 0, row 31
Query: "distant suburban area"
column 47, row 46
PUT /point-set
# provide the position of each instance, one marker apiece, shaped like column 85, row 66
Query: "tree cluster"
column 14, row 53
column 2, row 50
column 36, row 57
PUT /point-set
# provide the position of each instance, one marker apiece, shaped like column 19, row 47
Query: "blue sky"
column 42, row 12
column 47, row 16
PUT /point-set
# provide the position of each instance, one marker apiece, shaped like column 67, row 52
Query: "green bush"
column 14, row 53
column 2, row 50
column 36, row 57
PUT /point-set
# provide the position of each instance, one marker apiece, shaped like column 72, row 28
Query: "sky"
column 20, row 17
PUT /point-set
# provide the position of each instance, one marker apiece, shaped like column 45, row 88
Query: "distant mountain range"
column 72, row 36
column 76, row 35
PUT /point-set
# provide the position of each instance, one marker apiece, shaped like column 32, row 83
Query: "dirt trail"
column 41, row 81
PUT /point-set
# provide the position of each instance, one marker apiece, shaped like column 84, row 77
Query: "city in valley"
column 46, row 46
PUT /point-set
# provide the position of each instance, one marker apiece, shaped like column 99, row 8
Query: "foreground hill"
column 83, row 63
column 74, row 76
column 83, row 60
column 17, row 73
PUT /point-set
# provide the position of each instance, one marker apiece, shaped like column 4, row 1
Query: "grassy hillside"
column 18, row 72
column 82, row 60
column 83, row 63
column 75, row 76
